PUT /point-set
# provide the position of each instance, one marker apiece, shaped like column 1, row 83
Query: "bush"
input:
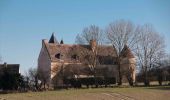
column 78, row 82
column 10, row 81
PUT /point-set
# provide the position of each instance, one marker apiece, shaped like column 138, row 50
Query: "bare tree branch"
column 90, row 33
column 150, row 49
column 121, row 33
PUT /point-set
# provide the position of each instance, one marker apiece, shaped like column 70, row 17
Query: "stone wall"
column 44, row 63
column 128, row 67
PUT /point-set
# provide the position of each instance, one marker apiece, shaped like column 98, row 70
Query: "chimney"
column 93, row 44
column 44, row 41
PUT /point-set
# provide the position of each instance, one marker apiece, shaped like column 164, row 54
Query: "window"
column 58, row 55
column 74, row 57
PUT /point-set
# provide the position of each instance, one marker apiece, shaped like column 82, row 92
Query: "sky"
column 24, row 23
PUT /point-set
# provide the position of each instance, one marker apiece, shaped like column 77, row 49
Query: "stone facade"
column 56, row 60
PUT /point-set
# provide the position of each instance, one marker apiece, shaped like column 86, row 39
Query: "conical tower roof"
column 126, row 52
column 53, row 39
column 61, row 42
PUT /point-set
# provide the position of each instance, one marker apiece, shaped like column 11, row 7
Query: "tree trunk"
column 95, row 79
column 44, row 85
column 130, row 80
column 120, row 75
column 160, row 79
column 146, row 79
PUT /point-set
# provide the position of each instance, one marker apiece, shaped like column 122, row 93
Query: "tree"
column 163, row 69
column 33, row 78
column 90, row 35
column 92, row 32
column 42, row 75
column 10, row 81
column 119, row 34
column 149, row 50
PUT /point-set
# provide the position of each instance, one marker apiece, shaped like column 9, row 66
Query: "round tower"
column 128, row 64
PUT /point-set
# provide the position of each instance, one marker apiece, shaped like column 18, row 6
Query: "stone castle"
column 57, row 60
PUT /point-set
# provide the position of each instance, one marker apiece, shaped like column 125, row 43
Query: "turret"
column 128, row 62
column 61, row 42
column 53, row 39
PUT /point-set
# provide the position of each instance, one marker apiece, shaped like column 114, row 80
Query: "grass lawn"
column 134, row 93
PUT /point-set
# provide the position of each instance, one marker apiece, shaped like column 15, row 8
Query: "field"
column 133, row 93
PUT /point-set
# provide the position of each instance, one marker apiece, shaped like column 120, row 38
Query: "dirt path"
column 119, row 96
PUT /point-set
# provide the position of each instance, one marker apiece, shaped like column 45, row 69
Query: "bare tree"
column 33, row 78
column 119, row 34
column 43, row 76
column 90, row 35
column 167, row 60
column 89, row 58
column 150, row 50
column 92, row 32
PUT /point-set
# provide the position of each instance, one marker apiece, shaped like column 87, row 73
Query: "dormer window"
column 58, row 55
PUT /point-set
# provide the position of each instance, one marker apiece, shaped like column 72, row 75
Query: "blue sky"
column 24, row 23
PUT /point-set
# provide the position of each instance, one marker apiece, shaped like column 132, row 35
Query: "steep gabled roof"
column 72, row 53
column 126, row 52
column 53, row 39
column 65, row 50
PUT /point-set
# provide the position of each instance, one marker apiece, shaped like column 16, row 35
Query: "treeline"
column 11, row 81
column 159, row 75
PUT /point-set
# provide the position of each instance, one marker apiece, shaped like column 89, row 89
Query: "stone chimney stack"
column 93, row 44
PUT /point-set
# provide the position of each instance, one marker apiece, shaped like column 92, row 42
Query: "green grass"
column 137, row 93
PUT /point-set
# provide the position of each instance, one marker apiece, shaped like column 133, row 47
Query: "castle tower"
column 128, row 63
